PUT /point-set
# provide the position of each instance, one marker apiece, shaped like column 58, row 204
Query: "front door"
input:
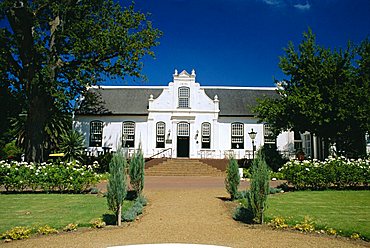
column 183, row 133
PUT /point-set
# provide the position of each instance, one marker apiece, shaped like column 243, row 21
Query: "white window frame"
column 183, row 129
column 160, row 134
column 96, row 133
column 237, row 135
column 128, row 133
column 206, row 135
column 268, row 136
column 184, row 97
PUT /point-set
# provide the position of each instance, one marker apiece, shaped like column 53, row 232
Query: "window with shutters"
column 206, row 135
column 160, row 137
column 128, row 134
column 237, row 135
column 96, row 133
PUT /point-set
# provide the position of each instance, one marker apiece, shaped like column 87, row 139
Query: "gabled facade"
column 182, row 119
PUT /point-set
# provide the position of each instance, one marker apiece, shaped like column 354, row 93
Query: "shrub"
column 70, row 227
column 136, row 172
column 259, row 188
column 72, row 145
column 355, row 236
column 130, row 215
column 57, row 176
column 333, row 172
column 273, row 158
column 331, row 231
column 278, row 223
column 97, row 223
column 142, row 200
column 232, row 179
column 18, row 232
column 306, row 226
column 46, row 230
column 117, row 184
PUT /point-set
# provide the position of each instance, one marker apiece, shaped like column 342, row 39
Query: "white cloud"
column 272, row 2
column 306, row 6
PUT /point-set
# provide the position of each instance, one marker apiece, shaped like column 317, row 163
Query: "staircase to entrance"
column 183, row 167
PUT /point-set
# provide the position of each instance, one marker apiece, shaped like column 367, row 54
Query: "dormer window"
column 184, row 95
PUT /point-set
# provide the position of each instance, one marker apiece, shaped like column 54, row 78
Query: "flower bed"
column 57, row 176
column 333, row 172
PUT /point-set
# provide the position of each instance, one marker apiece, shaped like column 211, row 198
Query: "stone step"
column 183, row 167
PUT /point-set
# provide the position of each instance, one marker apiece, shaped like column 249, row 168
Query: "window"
column 183, row 129
column 206, row 135
column 307, row 142
column 237, row 136
column 161, row 129
column 268, row 135
column 184, row 95
column 297, row 141
column 128, row 137
column 96, row 133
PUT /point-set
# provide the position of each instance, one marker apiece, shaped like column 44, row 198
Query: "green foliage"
column 18, row 232
column 273, row 158
column 257, row 198
column 136, row 171
column 117, row 184
column 87, row 43
column 46, row 230
column 72, row 145
column 71, row 176
column 278, row 223
column 232, row 179
column 326, row 93
column 135, row 210
column 70, row 227
column 332, row 173
column 143, row 201
column 12, row 151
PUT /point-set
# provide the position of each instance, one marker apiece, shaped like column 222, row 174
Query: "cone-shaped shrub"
column 260, row 187
column 117, row 184
column 136, row 172
column 232, row 179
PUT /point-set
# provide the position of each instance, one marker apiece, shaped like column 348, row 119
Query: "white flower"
column 307, row 169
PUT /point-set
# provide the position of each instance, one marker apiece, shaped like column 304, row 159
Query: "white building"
column 182, row 119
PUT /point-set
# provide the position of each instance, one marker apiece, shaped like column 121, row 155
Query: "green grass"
column 345, row 211
column 55, row 210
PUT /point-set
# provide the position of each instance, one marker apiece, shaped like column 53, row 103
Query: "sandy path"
column 185, row 215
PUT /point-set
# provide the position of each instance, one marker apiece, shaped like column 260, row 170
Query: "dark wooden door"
column 183, row 146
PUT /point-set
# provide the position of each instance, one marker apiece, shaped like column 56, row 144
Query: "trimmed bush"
column 46, row 230
column 18, row 232
column 58, row 176
column 70, row 227
column 117, row 184
column 136, row 172
column 232, row 179
column 333, row 172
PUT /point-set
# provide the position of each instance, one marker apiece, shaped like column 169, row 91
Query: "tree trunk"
column 37, row 116
column 119, row 215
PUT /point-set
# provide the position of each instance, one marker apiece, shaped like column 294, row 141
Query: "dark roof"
column 238, row 101
column 134, row 101
column 119, row 101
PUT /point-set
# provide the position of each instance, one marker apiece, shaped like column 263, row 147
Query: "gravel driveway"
column 186, row 210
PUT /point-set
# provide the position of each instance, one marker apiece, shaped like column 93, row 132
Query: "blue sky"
column 238, row 42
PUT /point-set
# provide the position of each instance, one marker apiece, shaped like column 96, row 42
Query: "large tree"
column 326, row 93
column 51, row 50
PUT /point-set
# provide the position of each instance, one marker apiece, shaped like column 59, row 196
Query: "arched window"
column 160, row 130
column 237, row 135
column 128, row 134
column 184, row 96
column 183, row 129
column 206, row 135
column 96, row 133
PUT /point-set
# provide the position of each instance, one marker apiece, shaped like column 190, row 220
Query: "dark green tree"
column 326, row 93
column 72, row 145
column 117, row 184
column 51, row 50
column 257, row 197
column 232, row 179
column 136, row 172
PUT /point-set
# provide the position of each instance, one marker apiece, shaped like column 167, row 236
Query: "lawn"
column 347, row 211
column 56, row 210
